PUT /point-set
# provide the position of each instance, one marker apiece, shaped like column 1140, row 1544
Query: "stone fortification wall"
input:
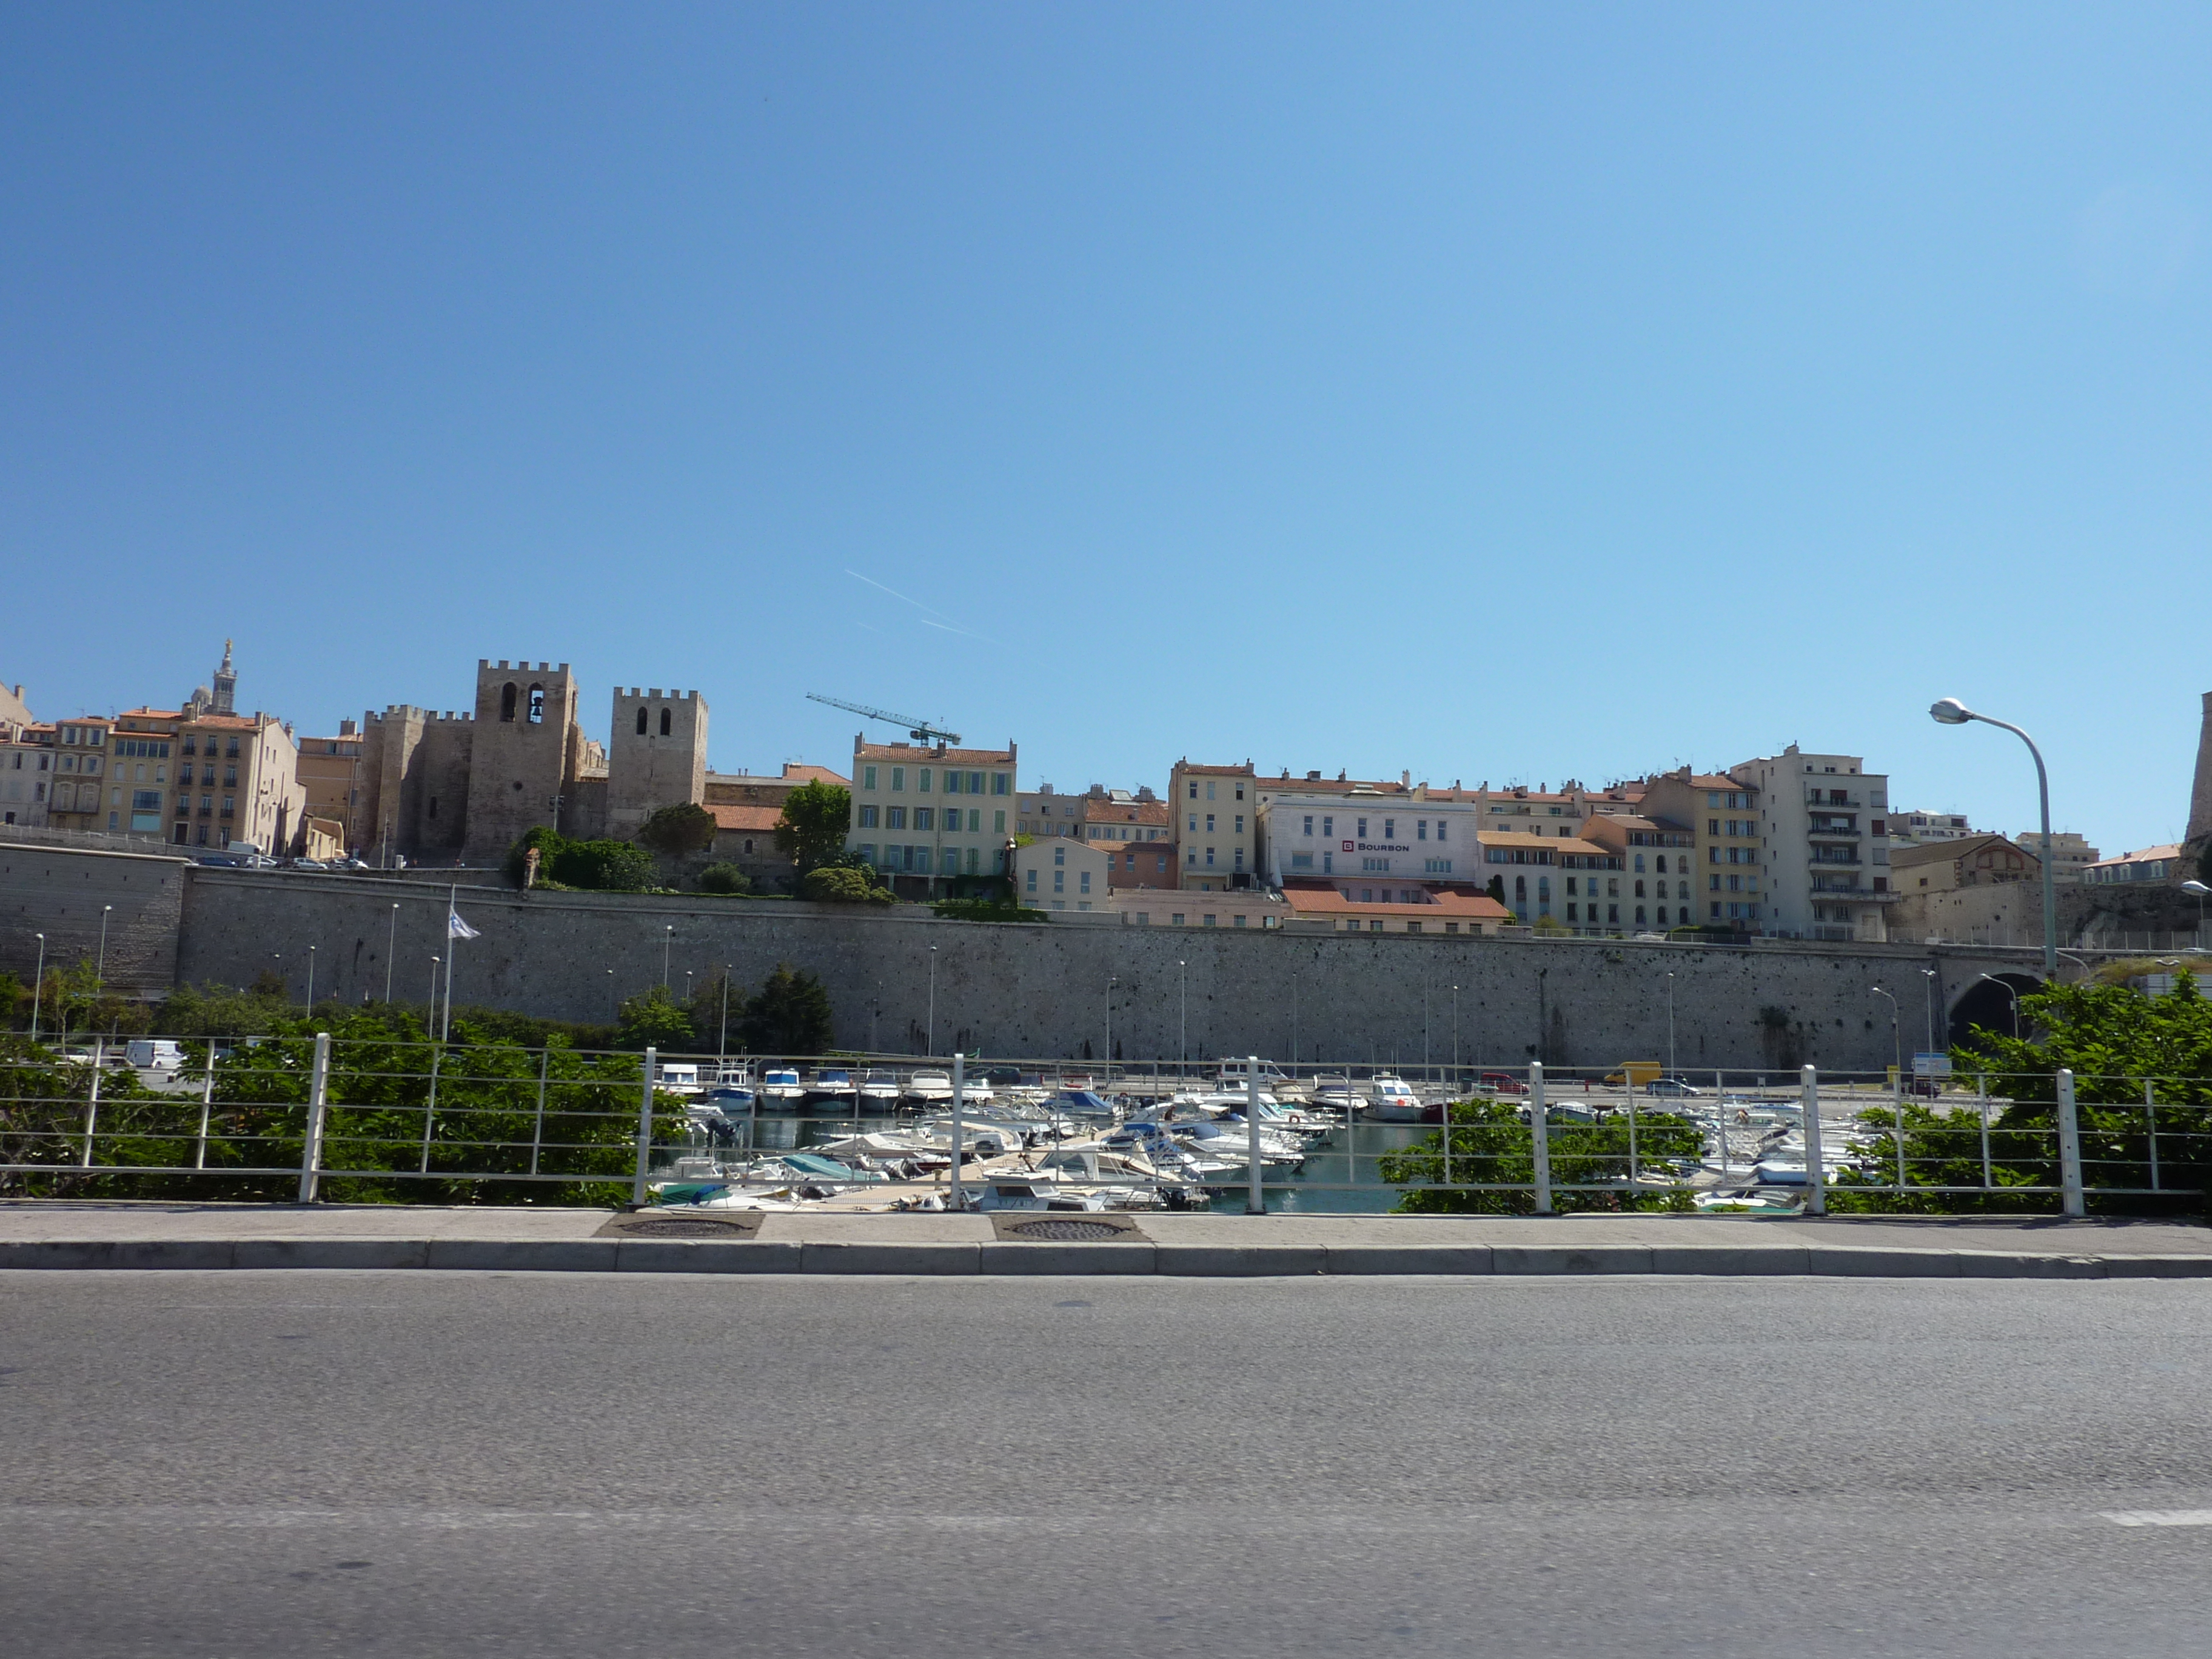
column 1043, row 989
column 62, row 892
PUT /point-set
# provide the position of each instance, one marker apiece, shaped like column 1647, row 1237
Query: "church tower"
column 226, row 684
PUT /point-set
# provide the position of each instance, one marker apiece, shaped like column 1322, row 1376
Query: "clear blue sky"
column 1506, row 393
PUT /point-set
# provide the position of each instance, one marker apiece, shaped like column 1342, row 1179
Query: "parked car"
column 309, row 864
column 1673, row 1086
column 154, row 1053
column 1501, row 1083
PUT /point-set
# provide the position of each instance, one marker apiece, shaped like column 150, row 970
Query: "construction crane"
column 920, row 731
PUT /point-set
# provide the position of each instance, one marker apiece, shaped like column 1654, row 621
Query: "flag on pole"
column 456, row 928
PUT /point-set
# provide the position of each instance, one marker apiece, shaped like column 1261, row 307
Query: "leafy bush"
column 842, row 884
column 1488, row 1145
column 811, row 831
column 605, row 866
column 964, row 910
column 724, row 878
column 655, row 1020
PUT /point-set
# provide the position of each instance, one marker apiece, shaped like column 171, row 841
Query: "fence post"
column 1256, row 1199
column 1816, row 1171
column 956, row 1196
column 1982, row 1105
column 311, row 1144
column 644, row 1128
column 1539, row 1137
column 2150, row 1128
column 2070, row 1146
column 207, row 1106
column 92, row 1096
column 537, row 1128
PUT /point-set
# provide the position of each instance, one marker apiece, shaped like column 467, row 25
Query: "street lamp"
column 1896, row 1042
column 434, row 996
column 39, row 988
column 2012, row 991
column 100, row 973
column 1949, row 711
column 391, row 950
column 667, row 939
column 1929, row 974
column 311, row 979
column 1182, row 1040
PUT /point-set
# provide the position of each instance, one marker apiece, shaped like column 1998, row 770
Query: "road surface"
column 302, row 1463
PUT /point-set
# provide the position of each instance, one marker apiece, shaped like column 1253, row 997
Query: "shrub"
column 673, row 831
column 724, row 878
column 842, row 884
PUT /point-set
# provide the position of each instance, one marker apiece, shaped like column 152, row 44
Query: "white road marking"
column 2158, row 1517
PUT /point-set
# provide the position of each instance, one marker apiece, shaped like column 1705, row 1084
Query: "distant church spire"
column 226, row 684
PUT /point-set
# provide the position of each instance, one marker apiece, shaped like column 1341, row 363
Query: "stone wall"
column 63, row 893
column 1043, row 989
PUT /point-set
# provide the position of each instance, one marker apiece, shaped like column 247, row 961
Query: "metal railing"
column 356, row 1121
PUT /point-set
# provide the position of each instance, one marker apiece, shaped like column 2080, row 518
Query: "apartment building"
column 1356, row 907
column 27, row 771
column 1147, row 864
column 1048, row 813
column 1918, row 829
column 235, row 777
column 1062, row 873
column 925, row 817
column 1727, row 851
column 77, row 798
column 1215, row 814
column 2070, row 854
column 2151, row 864
column 1098, row 814
column 1659, row 867
column 1824, row 845
column 1571, row 881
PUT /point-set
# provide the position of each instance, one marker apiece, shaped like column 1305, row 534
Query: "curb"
column 1124, row 1259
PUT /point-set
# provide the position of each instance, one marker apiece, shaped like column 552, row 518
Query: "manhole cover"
column 683, row 1227
column 1066, row 1231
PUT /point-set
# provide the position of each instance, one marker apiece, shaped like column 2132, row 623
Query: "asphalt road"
column 301, row 1463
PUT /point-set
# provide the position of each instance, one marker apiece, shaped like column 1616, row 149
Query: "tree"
column 788, row 1015
column 2116, row 1042
column 548, row 843
column 724, row 878
column 673, row 832
column 605, row 866
column 654, row 1020
column 1490, row 1147
column 842, row 884
column 811, row 831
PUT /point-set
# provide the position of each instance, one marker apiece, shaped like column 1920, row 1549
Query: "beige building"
column 927, row 816
column 330, row 784
column 1565, row 880
column 1214, row 814
column 1660, row 879
column 1979, row 889
column 1063, row 872
column 1728, row 847
column 26, row 772
column 1252, row 907
column 2070, row 854
column 207, row 781
column 1350, row 907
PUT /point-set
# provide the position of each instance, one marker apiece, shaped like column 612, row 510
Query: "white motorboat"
column 780, row 1089
column 833, row 1091
column 879, row 1089
column 1392, row 1100
column 1337, row 1094
column 929, row 1087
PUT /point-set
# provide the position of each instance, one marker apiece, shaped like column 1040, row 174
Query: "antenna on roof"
column 920, row 731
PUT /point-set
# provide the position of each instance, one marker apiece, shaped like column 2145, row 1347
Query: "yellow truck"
column 1634, row 1074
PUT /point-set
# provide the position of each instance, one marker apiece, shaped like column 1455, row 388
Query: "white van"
column 154, row 1053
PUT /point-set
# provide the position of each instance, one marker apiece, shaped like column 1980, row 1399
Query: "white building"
column 1062, row 873
column 1825, row 841
column 26, row 761
column 1362, row 833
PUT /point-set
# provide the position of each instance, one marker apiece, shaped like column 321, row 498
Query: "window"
column 1177, row 919
column 1389, row 829
column 1193, row 795
column 1240, row 824
column 1639, row 890
column 1083, row 881
column 999, row 821
column 1029, row 884
column 895, row 817
column 1209, row 789
column 1302, row 861
column 1193, row 824
column 898, row 777
column 1210, row 921
column 640, row 722
column 1611, row 913
column 867, row 817
column 1209, row 824
column 1570, row 913
column 1421, row 829
column 953, row 783
column 975, row 783
column 923, row 818
column 1060, row 881
column 1440, row 829
column 867, row 777
column 1308, row 825
column 1209, row 858
column 921, row 780
column 1662, row 865
column 998, row 783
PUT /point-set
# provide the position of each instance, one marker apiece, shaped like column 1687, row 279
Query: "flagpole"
column 453, row 950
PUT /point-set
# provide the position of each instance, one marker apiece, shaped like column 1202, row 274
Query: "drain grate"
column 1066, row 1231
column 683, row 1227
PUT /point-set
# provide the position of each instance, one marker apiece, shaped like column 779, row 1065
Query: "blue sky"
column 1505, row 394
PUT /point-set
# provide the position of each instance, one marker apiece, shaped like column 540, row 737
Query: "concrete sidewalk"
column 58, row 1234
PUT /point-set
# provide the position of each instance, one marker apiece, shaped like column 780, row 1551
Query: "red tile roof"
column 802, row 774
column 753, row 818
column 921, row 756
column 1319, row 898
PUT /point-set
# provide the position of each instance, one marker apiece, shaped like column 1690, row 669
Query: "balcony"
column 1831, row 858
column 1822, row 827
column 1819, row 799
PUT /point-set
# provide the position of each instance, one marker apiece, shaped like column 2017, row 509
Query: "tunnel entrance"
column 1989, row 1003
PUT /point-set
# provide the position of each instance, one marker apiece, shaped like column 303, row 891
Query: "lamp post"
column 929, row 1034
column 434, row 996
column 1183, row 1039
column 1896, row 1042
column 2012, row 991
column 667, row 940
column 614, row 1004
column 1455, row 1036
column 1929, row 974
column 311, row 979
column 100, row 973
column 39, row 988
column 1951, row 712
column 391, row 950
